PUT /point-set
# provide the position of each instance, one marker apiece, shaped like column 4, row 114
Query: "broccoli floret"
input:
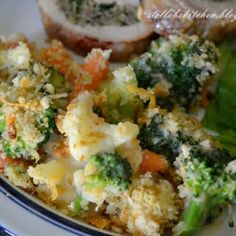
column 111, row 169
column 120, row 104
column 45, row 121
column 182, row 63
column 25, row 142
column 2, row 122
column 153, row 138
column 15, row 149
column 159, row 140
column 146, row 70
column 211, row 184
column 209, row 180
column 79, row 205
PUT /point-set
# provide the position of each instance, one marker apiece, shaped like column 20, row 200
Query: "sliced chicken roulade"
column 107, row 24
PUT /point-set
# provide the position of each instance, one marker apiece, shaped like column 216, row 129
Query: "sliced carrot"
column 8, row 160
column 153, row 162
column 97, row 67
column 94, row 71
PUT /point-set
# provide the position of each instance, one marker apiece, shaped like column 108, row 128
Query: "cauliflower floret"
column 148, row 208
column 89, row 134
column 231, row 167
column 51, row 174
column 132, row 152
column 18, row 58
column 124, row 75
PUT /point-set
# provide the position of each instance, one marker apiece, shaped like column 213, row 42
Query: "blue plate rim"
column 44, row 213
column 6, row 231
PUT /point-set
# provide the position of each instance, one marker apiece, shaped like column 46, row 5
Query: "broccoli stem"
column 194, row 217
column 2, row 126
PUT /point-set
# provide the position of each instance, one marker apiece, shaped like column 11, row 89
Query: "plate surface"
column 19, row 214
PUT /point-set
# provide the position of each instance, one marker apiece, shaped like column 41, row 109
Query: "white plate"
column 17, row 214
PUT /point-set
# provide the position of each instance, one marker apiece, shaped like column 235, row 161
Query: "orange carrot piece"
column 8, row 160
column 153, row 162
column 95, row 70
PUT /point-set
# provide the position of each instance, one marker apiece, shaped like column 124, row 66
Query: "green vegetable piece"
column 220, row 115
column 146, row 70
column 77, row 204
column 18, row 147
column 225, row 56
column 120, row 104
column 45, row 121
column 193, row 217
column 211, row 184
column 111, row 170
column 15, row 149
column 2, row 123
column 56, row 78
column 184, row 62
column 96, row 181
column 152, row 138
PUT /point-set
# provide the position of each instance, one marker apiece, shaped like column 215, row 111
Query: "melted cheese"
column 51, row 174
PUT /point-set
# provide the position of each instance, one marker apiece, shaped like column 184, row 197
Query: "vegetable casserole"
column 117, row 149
